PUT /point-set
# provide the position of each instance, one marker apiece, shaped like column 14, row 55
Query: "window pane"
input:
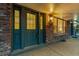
column 55, row 25
column 28, row 21
column 31, row 21
column 60, row 26
column 16, row 13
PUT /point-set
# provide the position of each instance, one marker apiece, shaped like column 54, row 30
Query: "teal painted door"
column 30, row 30
column 16, row 29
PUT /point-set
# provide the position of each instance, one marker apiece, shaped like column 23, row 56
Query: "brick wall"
column 5, row 27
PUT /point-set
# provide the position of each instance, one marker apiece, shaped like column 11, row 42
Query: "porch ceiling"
column 66, row 10
column 42, row 7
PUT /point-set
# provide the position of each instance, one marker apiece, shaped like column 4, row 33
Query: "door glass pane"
column 41, row 22
column 55, row 25
column 31, row 21
column 28, row 21
column 17, row 17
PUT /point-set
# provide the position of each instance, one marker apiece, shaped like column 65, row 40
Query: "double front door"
column 27, row 28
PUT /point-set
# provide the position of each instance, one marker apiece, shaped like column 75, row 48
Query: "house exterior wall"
column 5, row 27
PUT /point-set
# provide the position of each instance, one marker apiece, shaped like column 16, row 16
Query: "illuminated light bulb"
column 51, row 18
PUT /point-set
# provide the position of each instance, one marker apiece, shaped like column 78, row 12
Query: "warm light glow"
column 16, row 19
column 60, row 29
column 60, row 26
column 41, row 22
column 55, row 25
column 51, row 8
column 31, row 21
column 51, row 18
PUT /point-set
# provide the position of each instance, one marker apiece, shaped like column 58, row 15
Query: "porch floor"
column 68, row 48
